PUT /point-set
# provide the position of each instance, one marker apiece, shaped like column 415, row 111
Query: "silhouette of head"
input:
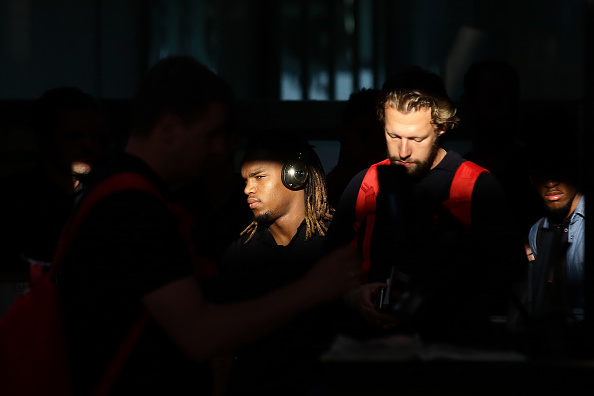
column 65, row 123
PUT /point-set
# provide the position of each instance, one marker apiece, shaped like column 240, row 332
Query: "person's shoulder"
column 582, row 205
column 452, row 161
column 444, row 172
column 487, row 188
column 537, row 224
column 365, row 175
column 107, row 199
column 353, row 186
column 580, row 211
column 455, row 161
column 532, row 233
column 488, row 179
column 478, row 172
column 130, row 211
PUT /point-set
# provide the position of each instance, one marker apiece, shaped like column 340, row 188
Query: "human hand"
column 361, row 299
column 529, row 253
column 335, row 273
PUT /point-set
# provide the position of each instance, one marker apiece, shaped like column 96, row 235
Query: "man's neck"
column 284, row 229
column 441, row 153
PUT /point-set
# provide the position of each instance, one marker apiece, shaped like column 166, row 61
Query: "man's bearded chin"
column 558, row 214
column 420, row 169
column 264, row 219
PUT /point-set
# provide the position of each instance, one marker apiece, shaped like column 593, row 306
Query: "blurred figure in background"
column 35, row 204
column 490, row 112
column 220, row 192
column 362, row 143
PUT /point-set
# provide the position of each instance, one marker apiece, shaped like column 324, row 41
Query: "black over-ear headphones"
column 295, row 174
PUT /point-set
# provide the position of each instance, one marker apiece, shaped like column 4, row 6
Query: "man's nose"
column 550, row 182
column 249, row 188
column 405, row 149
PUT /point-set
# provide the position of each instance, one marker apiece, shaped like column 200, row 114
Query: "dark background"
column 292, row 63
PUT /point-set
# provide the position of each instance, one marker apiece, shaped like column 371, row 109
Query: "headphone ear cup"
column 294, row 175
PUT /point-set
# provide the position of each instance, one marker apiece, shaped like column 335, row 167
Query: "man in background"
column 557, row 240
column 36, row 203
column 361, row 137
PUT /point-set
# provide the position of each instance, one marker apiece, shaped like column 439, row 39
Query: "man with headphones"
column 286, row 191
column 134, row 257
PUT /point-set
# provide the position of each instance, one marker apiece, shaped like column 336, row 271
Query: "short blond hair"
column 443, row 113
column 415, row 88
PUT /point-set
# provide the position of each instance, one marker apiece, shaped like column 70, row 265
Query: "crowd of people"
column 248, row 276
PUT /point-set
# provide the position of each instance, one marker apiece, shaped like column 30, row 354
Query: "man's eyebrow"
column 255, row 173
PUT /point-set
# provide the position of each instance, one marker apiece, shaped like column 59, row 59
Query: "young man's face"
column 268, row 198
column 560, row 198
column 412, row 140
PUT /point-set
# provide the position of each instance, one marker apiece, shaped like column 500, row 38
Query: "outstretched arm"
column 201, row 329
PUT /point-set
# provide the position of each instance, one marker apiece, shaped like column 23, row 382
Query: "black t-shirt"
column 286, row 360
column 128, row 246
column 457, row 271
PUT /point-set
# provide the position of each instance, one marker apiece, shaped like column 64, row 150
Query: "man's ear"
column 167, row 129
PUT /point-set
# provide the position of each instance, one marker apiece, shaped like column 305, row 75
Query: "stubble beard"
column 420, row 168
column 558, row 213
column 265, row 218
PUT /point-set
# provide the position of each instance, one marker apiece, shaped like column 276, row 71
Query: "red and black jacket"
column 458, row 203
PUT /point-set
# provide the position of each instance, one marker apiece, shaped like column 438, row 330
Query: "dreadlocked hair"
column 251, row 229
column 318, row 210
